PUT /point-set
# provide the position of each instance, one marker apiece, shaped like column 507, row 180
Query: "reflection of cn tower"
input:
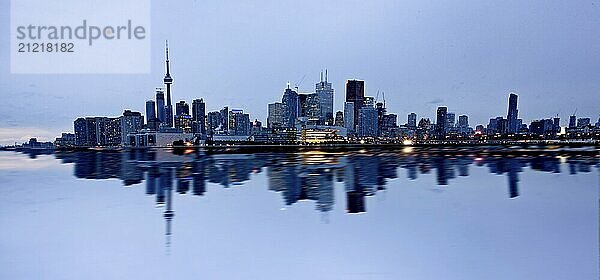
column 164, row 195
column 169, row 213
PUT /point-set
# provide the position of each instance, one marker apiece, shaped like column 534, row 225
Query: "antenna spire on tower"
column 167, row 55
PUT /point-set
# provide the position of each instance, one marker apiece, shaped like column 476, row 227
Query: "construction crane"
column 297, row 84
column 377, row 97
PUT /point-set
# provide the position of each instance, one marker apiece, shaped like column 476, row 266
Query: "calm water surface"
column 410, row 214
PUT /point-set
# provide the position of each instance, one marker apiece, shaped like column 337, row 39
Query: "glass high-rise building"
column 160, row 105
column 349, row 123
column 441, row 122
column 355, row 93
column 275, row 115
column 324, row 93
column 412, row 120
column 463, row 121
column 290, row 107
column 199, row 115
column 151, row 122
column 368, row 122
column 513, row 113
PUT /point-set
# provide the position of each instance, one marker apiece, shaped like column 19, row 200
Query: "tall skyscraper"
column 441, row 122
column 213, row 121
column 290, row 107
column 151, row 115
column 275, row 115
column 324, row 94
column 225, row 120
column 309, row 107
column 412, row 120
column 451, row 117
column 355, row 93
column 556, row 124
column 168, row 80
column 572, row 121
column 199, row 115
column 368, row 122
column 463, row 121
column 349, row 123
column 160, row 106
column 513, row 113
column 381, row 112
column 240, row 123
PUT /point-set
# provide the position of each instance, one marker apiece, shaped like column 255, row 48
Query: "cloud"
column 10, row 135
column 436, row 101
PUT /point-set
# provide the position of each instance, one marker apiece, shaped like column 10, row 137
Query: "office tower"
column 302, row 108
column 168, row 80
column 583, row 122
column 241, row 123
column 349, row 123
column 151, row 115
column 355, row 93
column 339, row 118
column 160, row 106
column 150, row 110
column 572, row 121
column 441, row 122
column 557, row 124
column 513, row 113
column 412, row 120
column 290, row 107
column 502, row 125
column 542, row 127
column 213, row 121
column 131, row 122
column 389, row 121
column 324, row 94
column 463, row 121
column 492, row 126
column 225, row 120
column 368, row 122
column 598, row 123
column 275, row 115
column 451, row 118
column 199, row 115
column 182, row 108
column 309, row 107
column 381, row 111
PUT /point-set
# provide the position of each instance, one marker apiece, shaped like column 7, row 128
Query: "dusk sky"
column 467, row 55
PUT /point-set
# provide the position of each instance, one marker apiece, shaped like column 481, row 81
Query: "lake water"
column 407, row 214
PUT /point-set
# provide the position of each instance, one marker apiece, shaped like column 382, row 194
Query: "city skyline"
column 303, row 118
column 461, row 57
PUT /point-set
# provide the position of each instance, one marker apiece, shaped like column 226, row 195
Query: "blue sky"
column 466, row 55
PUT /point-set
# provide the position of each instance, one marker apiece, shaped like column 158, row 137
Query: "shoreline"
column 586, row 147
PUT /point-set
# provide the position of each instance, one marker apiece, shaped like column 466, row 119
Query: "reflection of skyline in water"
column 307, row 175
